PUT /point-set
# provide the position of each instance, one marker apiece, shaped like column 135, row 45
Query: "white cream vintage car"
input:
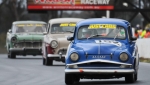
column 55, row 44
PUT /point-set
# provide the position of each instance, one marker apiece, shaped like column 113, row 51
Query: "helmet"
column 137, row 25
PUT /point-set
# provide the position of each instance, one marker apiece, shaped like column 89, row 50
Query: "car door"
column 131, row 42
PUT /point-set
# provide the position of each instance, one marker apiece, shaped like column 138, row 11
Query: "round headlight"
column 13, row 39
column 54, row 44
column 124, row 57
column 74, row 57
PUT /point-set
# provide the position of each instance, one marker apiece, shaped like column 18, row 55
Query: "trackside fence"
column 143, row 47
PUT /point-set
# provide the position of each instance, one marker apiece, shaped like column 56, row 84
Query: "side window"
column 47, row 28
column 130, row 32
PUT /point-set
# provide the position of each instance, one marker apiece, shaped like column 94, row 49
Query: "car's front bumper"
column 24, row 49
column 100, row 71
column 57, row 57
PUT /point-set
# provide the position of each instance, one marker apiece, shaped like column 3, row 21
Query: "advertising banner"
column 70, row 4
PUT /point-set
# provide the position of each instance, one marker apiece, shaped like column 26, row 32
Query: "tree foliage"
column 15, row 10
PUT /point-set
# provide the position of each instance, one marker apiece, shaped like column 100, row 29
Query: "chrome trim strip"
column 99, row 71
column 99, row 60
column 55, row 55
column 97, row 67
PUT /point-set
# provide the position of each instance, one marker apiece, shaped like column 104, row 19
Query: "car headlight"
column 124, row 57
column 13, row 39
column 74, row 57
column 54, row 44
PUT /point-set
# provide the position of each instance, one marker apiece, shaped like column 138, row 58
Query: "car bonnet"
column 95, row 47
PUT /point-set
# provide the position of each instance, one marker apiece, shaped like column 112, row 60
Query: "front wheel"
column 8, row 55
column 43, row 61
column 69, row 79
column 48, row 62
column 77, row 79
column 12, row 55
column 130, row 78
column 136, row 76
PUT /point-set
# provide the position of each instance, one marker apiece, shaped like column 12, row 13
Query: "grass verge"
column 146, row 60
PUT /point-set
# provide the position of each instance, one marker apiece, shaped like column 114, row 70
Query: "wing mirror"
column 10, row 31
column 133, row 38
column 44, row 33
column 70, row 38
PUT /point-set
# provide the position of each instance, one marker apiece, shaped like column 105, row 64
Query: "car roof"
column 103, row 21
column 61, row 20
column 26, row 22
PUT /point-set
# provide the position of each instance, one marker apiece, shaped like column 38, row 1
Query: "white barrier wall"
column 144, row 47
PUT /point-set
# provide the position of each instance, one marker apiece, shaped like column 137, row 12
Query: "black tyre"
column 8, row 55
column 43, row 61
column 69, row 79
column 12, row 55
column 48, row 62
column 63, row 61
column 77, row 79
column 136, row 76
column 130, row 78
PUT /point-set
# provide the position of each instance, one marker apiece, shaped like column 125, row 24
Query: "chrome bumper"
column 24, row 49
column 55, row 55
column 99, row 71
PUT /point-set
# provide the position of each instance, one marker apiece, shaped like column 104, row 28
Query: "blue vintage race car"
column 102, row 49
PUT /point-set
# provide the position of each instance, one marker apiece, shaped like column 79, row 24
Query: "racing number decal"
column 22, row 25
column 98, row 26
column 67, row 24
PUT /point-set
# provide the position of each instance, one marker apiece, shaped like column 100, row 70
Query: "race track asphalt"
column 30, row 71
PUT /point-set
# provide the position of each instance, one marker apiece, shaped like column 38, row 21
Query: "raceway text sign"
column 70, row 4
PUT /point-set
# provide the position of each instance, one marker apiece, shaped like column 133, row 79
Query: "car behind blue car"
column 102, row 48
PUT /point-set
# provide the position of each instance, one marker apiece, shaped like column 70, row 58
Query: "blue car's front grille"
column 105, row 57
column 99, row 65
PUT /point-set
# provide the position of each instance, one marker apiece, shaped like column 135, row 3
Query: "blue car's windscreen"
column 101, row 31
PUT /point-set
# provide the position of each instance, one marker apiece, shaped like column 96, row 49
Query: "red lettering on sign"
column 55, row 1
column 42, row 1
column 47, row 1
column 36, row 1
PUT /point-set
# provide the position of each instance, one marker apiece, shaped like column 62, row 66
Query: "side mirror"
column 44, row 33
column 70, row 38
column 10, row 31
column 133, row 38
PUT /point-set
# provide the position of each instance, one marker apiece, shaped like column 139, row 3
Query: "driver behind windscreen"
column 20, row 30
column 57, row 29
column 86, row 33
column 38, row 29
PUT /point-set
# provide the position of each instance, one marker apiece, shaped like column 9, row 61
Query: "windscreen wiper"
column 70, row 31
column 95, row 36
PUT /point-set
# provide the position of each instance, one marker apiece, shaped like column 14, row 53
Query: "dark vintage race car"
column 54, row 45
column 25, row 38
column 102, row 49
